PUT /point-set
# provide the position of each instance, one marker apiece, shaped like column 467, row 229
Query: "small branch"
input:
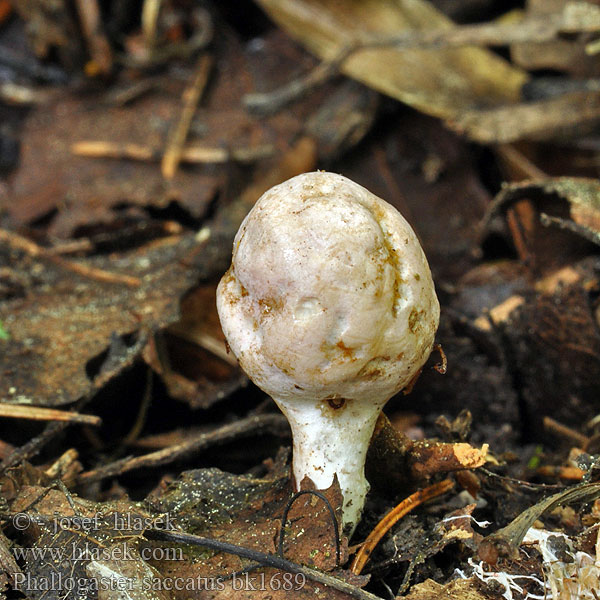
column 98, row 46
column 189, row 154
column 204, row 340
column 14, row 240
column 267, row 560
column 37, row 413
column 59, row 467
column 568, row 473
column 566, row 432
column 250, row 425
column 150, row 12
column 271, row 102
column 178, row 135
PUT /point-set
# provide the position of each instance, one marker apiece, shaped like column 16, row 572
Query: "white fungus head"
column 330, row 308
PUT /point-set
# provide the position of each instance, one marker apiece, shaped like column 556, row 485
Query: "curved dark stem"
column 336, row 529
column 266, row 560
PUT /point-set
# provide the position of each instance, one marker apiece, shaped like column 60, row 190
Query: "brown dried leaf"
column 247, row 512
column 570, row 204
column 198, row 368
column 60, row 329
column 439, row 82
column 95, row 192
column 58, row 545
column 567, row 55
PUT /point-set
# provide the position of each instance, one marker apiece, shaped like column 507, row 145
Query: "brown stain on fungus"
column 374, row 368
column 268, row 305
column 347, row 352
column 414, row 320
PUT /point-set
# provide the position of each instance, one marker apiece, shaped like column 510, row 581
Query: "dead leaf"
column 60, row 330
column 442, row 83
column 566, row 54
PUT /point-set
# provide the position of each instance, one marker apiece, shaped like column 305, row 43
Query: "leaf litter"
column 108, row 268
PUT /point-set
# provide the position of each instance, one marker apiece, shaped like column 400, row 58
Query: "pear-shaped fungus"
column 330, row 308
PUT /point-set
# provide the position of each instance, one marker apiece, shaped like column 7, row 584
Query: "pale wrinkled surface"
column 329, row 294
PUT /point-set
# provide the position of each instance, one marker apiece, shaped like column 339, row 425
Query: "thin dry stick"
column 407, row 505
column 14, row 240
column 37, row 413
column 570, row 473
column 264, row 559
column 178, row 135
column 150, row 12
column 249, row 425
column 60, row 466
column 189, row 154
column 566, row 432
column 91, row 25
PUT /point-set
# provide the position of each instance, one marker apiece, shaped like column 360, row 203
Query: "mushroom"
column 330, row 308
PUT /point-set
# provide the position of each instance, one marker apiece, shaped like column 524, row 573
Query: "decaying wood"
column 393, row 459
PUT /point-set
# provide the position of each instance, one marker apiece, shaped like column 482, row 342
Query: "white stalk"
column 331, row 441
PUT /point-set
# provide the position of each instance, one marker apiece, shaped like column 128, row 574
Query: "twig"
column 407, row 505
column 150, row 12
column 37, row 413
column 98, row 46
column 178, row 135
column 59, row 467
column 267, row 560
column 442, row 366
column 515, row 159
column 140, row 419
column 33, row 446
column 121, row 96
column 14, row 240
column 20, row 95
column 566, row 432
column 200, row 21
column 271, row 102
column 250, row 425
column 569, row 473
column 189, row 154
